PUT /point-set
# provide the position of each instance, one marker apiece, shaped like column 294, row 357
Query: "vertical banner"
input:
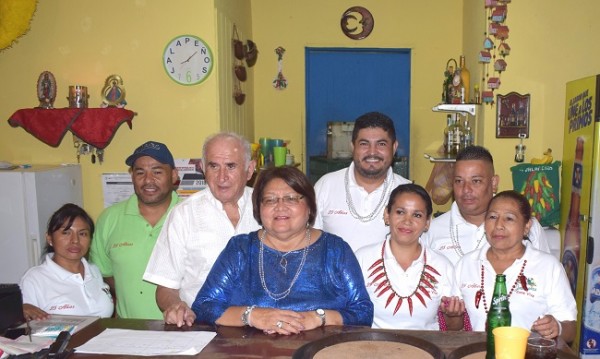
column 579, row 137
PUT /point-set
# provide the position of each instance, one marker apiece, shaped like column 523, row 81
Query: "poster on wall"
column 117, row 187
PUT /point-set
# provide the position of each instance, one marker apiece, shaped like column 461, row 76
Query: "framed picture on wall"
column 512, row 116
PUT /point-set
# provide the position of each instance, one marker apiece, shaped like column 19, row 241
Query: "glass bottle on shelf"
column 467, row 134
column 476, row 94
column 447, row 133
column 465, row 77
column 455, row 136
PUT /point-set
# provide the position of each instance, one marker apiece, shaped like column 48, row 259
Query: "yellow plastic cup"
column 279, row 155
column 510, row 342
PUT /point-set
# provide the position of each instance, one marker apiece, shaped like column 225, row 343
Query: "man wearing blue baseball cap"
column 127, row 231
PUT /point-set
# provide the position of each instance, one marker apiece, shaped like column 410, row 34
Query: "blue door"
column 344, row 83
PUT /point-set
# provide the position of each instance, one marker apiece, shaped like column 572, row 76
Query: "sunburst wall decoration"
column 15, row 17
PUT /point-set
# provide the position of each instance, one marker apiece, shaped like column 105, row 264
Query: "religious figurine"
column 113, row 93
column 46, row 90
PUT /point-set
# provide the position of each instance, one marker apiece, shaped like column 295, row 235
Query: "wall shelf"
column 466, row 108
column 440, row 158
column 463, row 109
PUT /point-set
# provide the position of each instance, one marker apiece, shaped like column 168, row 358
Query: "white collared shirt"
column 333, row 214
column 548, row 290
column 404, row 283
column 469, row 236
column 55, row 290
column 193, row 236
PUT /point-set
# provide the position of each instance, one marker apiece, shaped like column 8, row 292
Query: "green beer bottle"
column 498, row 315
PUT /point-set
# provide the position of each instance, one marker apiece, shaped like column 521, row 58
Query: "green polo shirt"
column 121, row 247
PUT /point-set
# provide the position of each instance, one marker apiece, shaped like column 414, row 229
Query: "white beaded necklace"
column 261, row 269
column 371, row 216
column 456, row 242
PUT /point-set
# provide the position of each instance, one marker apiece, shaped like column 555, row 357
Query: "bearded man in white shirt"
column 350, row 201
column 460, row 230
column 198, row 229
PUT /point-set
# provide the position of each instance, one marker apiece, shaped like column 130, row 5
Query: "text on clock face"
column 185, row 51
column 187, row 60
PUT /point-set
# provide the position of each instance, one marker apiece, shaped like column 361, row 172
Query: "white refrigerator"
column 28, row 197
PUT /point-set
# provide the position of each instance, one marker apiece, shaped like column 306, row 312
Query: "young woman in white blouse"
column 65, row 283
column 411, row 286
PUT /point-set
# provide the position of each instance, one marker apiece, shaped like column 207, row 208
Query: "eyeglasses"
column 289, row 200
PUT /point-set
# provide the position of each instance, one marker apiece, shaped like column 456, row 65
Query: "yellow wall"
column 550, row 45
column 314, row 23
column 83, row 42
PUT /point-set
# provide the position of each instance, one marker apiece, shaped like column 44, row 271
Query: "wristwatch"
column 321, row 314
column 246, row 314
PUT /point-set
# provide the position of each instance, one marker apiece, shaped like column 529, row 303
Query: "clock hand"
column 189, row 58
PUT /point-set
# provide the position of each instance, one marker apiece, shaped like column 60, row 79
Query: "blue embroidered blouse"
column 330, row 279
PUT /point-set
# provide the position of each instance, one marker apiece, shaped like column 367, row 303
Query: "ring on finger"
column 279, row 324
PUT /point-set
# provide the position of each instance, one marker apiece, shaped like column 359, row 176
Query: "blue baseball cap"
column 156, row 150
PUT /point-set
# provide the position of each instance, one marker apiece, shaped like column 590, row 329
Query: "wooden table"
column 235, row 342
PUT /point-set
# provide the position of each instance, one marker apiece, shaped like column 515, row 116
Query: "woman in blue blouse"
column 287, row 277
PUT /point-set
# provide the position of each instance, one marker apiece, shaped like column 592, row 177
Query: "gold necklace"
column 427, row 279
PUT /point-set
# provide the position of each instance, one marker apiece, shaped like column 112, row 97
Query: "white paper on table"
column 22, row 345
column 146, row 342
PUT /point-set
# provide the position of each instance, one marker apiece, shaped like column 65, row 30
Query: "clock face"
column 188, row 60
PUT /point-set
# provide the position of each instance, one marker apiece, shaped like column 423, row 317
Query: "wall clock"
column 187, row 59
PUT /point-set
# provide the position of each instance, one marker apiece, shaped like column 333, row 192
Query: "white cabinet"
column 28, row 197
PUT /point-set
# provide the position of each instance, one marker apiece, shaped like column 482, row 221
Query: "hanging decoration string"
column 280, row 82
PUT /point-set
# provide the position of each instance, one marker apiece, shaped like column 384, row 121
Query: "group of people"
column 358, row 248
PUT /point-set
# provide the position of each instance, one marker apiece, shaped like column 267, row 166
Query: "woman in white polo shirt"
column 538, row 290
column 411, row 286
column 65, row 283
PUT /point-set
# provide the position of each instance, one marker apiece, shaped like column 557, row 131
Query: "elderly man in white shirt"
column 350, row 201
column 460, row 230
column 198, row 229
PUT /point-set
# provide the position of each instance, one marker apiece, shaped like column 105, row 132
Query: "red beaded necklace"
column 427, row 280
column 481, row 293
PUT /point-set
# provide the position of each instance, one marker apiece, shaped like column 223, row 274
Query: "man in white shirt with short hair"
column 460, row 230
column 350, row 201
column 198, row 229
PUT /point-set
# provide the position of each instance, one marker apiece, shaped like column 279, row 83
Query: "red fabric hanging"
column 95, row 126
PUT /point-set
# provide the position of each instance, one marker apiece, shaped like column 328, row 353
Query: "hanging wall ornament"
column 280, row 82
column 251, row 53
column 238, row 45
column 357, row 23
column 238, row 95
column 495, row 48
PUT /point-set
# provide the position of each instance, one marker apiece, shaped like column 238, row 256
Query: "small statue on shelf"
column 448, row 91
column 113, row 93
column 46, row 90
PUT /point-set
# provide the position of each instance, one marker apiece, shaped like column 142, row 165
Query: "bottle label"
column 499, row 300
